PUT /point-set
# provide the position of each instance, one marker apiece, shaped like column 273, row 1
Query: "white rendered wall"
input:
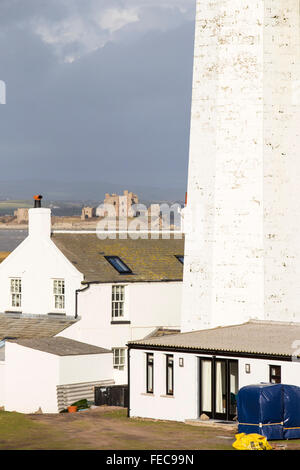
column 88, row 368
column 31, row 376
column 185, row 402
column 242, row 254
column 148, row 305
column 183, row 405
column 30, row 380
column 2, row 382
column 37, row 262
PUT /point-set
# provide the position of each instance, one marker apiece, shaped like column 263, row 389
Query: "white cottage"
column 131, row 288
column 113, row 290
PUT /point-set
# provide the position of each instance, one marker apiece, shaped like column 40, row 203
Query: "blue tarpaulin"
column 272, row 410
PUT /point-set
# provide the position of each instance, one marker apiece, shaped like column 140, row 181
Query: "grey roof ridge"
column 198, row 348
column 263, row 322
column 59, row 338
column 40, row 316
column 274, row 322
column 195, row 331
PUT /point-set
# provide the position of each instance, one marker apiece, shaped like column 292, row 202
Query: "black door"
column 218, row 388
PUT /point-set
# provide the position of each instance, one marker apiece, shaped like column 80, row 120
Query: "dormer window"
column 118, row 264
column 59, row 294
column 16, row 292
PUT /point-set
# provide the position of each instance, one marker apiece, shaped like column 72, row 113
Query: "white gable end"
column 37, row 262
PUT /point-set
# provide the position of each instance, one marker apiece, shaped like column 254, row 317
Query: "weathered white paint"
column 184, row 404
column 37, row 262
column 242, row 255
column 148, row 305
column 31, row 376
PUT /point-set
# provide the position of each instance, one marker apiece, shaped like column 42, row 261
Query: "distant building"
column 88, row 213
column 21, row 215
column 122, row 204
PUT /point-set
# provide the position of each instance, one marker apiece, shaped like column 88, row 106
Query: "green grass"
column 108, row 429
column 18, row 431
column 102, row 429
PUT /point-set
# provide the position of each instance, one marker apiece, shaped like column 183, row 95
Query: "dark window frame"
column 275, row 377
column 111, row 259
column 169, row 365
column 180, row 258
column 213, row 414
column 149, row 366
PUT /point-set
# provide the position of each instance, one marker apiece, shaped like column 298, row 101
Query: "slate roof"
column 60, row 346
column 254, row 337
column 149, row 260
column 17, row 326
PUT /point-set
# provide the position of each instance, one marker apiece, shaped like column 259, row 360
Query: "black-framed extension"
column 222, row 362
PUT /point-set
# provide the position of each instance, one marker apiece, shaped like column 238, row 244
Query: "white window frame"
column 118, row 305
column 119, row 358
column 16, row 292
column 59, row 294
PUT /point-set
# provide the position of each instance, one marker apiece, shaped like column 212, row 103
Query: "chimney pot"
column 38, row 200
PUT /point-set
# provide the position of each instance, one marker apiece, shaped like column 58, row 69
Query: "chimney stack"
column 39, row 220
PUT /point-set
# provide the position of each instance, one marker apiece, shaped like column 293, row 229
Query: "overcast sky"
column 96, row 89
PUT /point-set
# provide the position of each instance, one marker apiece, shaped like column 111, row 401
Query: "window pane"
column 119, row 358
column 220, row 387
column 275, row 374
column 234, row 386
column 118, row 295
column 170, row 375
column 206, row 377
column 149, row 373
column 59, row 294
column 118, row 264
column 16, row 289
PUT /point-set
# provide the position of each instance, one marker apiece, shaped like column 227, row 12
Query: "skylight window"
column 180, row 258
column 118, row 264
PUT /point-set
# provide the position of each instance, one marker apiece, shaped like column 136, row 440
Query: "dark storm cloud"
column 102, row 92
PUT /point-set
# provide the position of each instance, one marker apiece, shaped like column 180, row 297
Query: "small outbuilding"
column 182, row 377
column 51, row 373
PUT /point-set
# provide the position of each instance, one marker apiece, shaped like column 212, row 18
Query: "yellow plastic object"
column 251, row 442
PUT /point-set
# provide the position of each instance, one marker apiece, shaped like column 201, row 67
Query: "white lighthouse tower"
column 242, row 253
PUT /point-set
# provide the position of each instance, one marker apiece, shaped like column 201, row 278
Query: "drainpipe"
column 128, row 379
column 76, row 298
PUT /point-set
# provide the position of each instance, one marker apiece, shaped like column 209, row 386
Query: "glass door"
column 220, row 389
column 206, row 387
column 233, row 387
column 219, row 385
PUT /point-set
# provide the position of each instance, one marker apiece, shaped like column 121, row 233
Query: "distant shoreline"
column 13, row 227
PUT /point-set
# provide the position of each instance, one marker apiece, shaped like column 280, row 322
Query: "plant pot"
column 72, row 409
